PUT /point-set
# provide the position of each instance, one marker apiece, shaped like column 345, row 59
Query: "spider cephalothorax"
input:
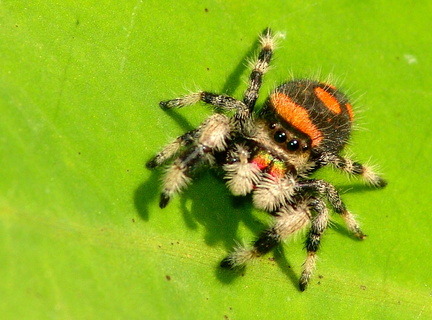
column 303, row 126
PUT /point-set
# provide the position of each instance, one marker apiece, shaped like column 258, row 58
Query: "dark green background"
column 81, row 234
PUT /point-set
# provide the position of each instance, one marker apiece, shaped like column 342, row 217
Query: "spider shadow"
column 355, row 188
column 358, row 187
column 207, row 203
column 180, row 120
column 342, row 229
column 234, row 79
column 284, row 265
column 146, row 193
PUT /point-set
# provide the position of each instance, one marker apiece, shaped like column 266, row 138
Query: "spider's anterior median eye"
column 280, row 136
column 293, row 145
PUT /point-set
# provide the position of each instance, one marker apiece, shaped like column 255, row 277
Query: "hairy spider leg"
column 260, row 67
column 313, row 239
column 287, row 220
column 329, row 192
column 172, row 149
column 353, row 168
column 242, row 120
column 211, row 136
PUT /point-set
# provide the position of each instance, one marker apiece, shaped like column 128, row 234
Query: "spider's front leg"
column 210, row 137
column 172, row 149
column 260, row 67
column 243, row 120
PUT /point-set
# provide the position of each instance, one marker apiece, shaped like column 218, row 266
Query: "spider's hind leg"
column 318, row 226
column 287, row 221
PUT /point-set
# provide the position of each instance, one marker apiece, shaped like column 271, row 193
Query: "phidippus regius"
column 303, row 126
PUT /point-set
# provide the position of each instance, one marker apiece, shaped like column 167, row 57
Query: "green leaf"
column 81, row 232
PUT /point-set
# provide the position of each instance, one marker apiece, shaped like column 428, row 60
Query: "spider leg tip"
column 229, row 263
column 164, row 105
column 267, row 31
column 226, row 264
column 164, row 199
column 151, row 164
column 381, row 183
column 302, row 285
column 361, row 236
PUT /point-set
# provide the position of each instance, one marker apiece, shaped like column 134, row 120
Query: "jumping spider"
column 303, row 126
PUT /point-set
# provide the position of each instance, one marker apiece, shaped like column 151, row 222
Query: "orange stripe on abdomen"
column 295, row 115
column 329, row 101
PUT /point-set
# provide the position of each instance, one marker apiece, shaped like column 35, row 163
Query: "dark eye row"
column 280, row 136
column 292, row 145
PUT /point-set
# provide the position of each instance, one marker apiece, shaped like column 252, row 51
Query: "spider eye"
column 280, row 136
column 293, row 145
